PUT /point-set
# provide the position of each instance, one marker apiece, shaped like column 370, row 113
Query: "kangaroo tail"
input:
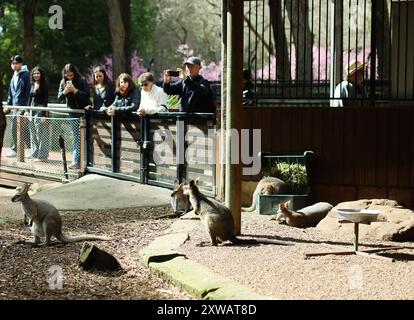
column 81, row 238
column 253, row 206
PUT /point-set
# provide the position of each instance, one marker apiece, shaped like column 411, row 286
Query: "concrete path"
column 98, row 192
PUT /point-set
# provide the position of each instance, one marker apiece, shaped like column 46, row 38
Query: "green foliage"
column 84, row 39
column 11, row 38
column 294, row 174
column 196, row 24
column 174, row 102
column 143, row 14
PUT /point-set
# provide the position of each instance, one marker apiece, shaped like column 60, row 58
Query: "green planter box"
column 270, row 204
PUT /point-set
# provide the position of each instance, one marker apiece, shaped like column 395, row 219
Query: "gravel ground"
column 24, row 271
column 282, row 272
column 277, row 271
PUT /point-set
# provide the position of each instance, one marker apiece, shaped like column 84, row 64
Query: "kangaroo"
column 179, row 200
column 44, row 219
column 303, row 218
column 267, row 186
column 217, row 218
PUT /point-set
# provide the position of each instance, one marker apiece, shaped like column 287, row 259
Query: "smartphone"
column 173, row 73
column 69, row 82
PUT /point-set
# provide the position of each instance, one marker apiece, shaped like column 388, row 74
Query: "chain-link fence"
column 33, row 142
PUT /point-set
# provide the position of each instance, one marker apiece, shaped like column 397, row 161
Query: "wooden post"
column 20, row 138
column 234, row 109
column 356, row 231
column 221, row 145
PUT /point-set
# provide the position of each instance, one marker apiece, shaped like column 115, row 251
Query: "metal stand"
column 370, row 253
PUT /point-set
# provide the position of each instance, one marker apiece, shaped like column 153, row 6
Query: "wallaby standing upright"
column 305, row 217
column 217, row 218
column 45, row 220
column 267, row 186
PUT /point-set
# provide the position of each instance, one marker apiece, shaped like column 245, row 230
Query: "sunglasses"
column 145, row 84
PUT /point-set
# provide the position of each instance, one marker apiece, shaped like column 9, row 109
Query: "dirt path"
column 24, row 272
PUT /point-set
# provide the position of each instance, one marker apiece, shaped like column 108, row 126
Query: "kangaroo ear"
column 26, row 187
column 192, row 184
column 282, row 205
column 196, row 181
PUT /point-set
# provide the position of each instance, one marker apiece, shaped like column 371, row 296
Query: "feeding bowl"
column 356, row 215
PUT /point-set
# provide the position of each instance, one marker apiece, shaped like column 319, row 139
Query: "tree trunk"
column 126, row 18
column 29, row 10
column 303, row 39
column 118, row 36
column 279, row 35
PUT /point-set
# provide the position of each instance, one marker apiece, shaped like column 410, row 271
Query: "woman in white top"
column 153, row 98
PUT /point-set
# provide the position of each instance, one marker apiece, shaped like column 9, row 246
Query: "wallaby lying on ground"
column 44, row 219
column 267, row 186
column 217, row 218
column 303, row 218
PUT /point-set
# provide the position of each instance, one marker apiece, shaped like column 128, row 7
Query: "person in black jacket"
column 103, row 90
column 195, row 91
column 127, row 97
column 38, row 122
column 74, row 90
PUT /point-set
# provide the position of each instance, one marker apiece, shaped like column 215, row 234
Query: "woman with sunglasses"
column 153, row 98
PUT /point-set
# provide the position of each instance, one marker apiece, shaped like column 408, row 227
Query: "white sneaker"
column 74, row 166
column 11, row 154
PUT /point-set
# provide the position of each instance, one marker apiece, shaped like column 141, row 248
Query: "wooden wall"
column 360, row 152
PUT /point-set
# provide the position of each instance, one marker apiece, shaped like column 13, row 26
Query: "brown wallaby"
column 179, row 200
column 217, row 218
column 44, row 219
column 307, row 217
column 267, row 186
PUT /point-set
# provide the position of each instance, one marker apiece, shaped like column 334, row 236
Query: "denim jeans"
column 39, row 138
column 74, row 125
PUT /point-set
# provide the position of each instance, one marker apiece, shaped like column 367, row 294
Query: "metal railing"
column 156, row 150
column 31, row 143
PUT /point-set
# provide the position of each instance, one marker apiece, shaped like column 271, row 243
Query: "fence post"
column 82, row 142
column 145, row 147
column 20, row 138
column 180, row 148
